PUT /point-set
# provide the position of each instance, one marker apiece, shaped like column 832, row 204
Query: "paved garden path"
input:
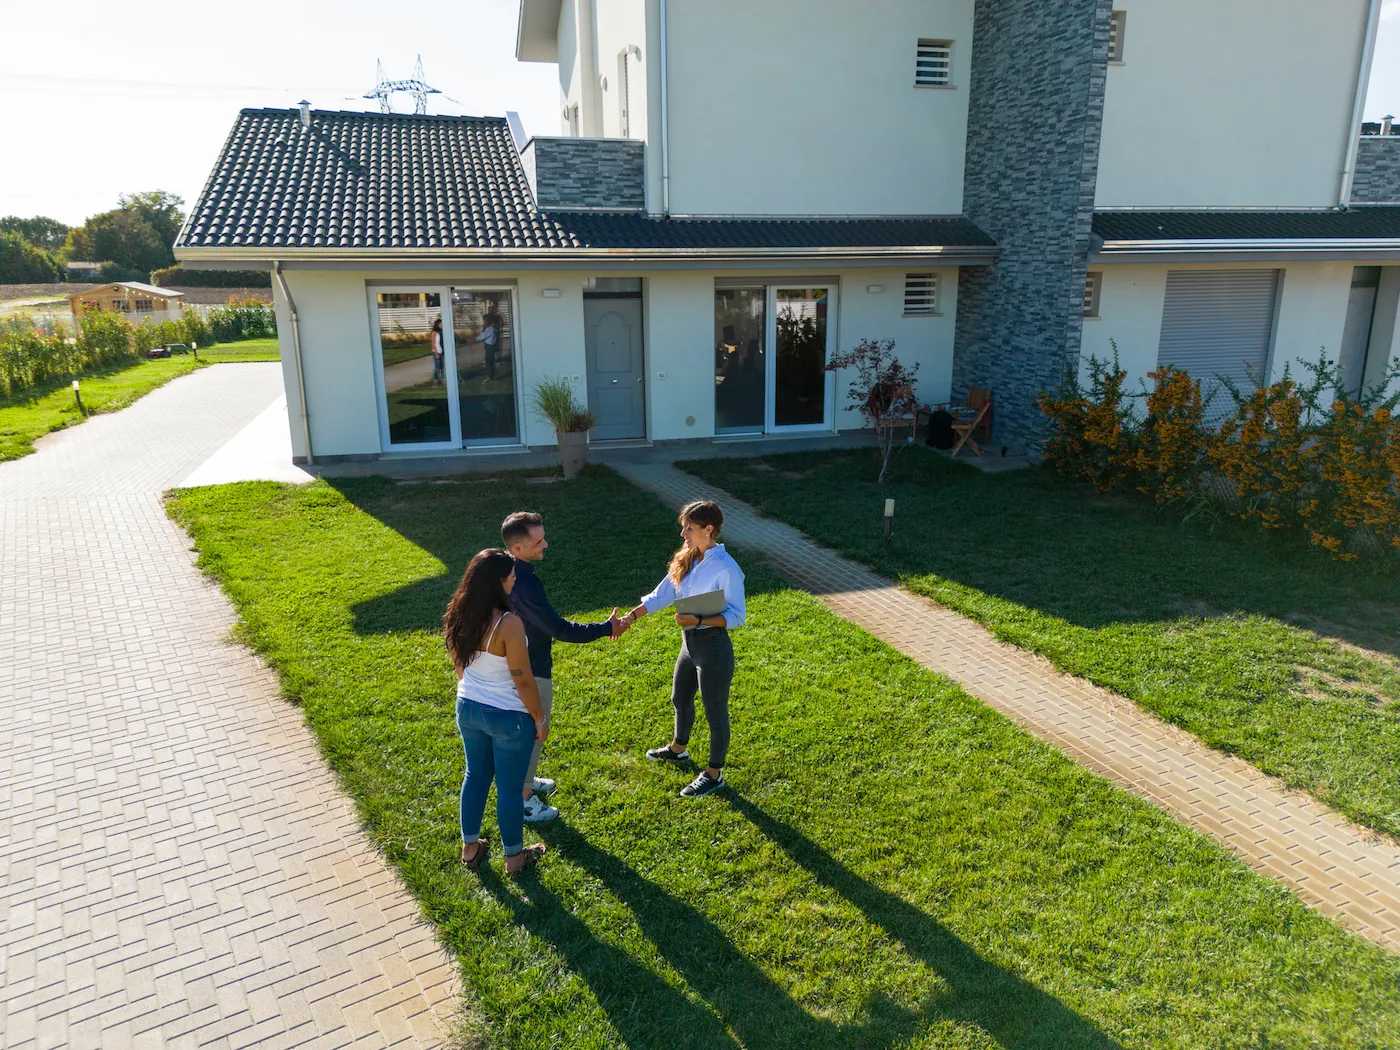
column 1337, row 867
column 178, row 866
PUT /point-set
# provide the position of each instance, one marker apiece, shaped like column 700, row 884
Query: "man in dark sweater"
column 523, row 535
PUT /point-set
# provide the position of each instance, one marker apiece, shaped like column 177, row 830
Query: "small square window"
column 1117, row 28
column 920, row 294
column 144, row 306
column 1093, row 282
column 933, row 65
column 121, row 306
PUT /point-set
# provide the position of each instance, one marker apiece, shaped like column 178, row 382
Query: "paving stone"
column 1278, row 831
column 158, row 800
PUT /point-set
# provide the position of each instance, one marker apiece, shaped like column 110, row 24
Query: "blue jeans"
column 498, row 745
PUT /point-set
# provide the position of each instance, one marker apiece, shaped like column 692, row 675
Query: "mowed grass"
column 243, row 350
column 29, row 416
column 895, row 865
column 1263, row 649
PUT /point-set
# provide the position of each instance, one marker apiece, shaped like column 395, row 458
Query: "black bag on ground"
column 940, row 430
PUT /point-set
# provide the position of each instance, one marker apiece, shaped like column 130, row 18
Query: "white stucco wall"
column 339, row 345
column 617, row 24
column 338, row 348
column 1230, row 103
column 783, row 108
column 1311, row 315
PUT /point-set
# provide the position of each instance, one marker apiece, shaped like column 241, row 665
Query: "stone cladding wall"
column 1035, row 115
column 586, row 174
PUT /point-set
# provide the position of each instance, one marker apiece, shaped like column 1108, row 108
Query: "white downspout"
column 665, row 138
column 296, row 358
column 1363, row 77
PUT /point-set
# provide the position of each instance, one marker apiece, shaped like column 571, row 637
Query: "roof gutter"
column 1318, row 249
column 250, row 258
column 1363, row 77
column 296, row 357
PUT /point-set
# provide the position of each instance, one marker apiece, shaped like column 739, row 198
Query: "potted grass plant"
column 555, row 403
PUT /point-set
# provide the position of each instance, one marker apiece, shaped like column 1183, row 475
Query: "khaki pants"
column 547, row 702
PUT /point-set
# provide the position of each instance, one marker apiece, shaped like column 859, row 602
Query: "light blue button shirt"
column 716, row 571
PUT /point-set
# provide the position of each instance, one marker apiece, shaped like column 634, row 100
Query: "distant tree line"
column 133, row 242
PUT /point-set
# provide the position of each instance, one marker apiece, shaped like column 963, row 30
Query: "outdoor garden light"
column 75, row 386
column 889, row 519
column 78, row 397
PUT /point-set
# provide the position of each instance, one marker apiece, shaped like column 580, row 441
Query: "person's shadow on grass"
column 1009, row 1008
column 743, row 1000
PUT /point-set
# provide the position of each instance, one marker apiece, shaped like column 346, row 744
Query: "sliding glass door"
column 772, row 344
column 415, row 409
column 801, row 348
column 446, row 367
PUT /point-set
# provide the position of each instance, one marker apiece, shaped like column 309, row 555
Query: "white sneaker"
column 537, row 812
column 543, row 786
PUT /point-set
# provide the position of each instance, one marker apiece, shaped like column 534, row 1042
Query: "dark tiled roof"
column 1360, row 223
column 372, row 180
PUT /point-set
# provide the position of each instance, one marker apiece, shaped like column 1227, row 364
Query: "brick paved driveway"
column 177, row 865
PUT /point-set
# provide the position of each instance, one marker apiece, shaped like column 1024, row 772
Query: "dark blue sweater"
column 542, row 624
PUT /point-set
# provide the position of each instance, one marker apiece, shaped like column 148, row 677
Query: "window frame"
column 932, row 295
column 1093, row 294
column 924, row 47
column 1117, row 35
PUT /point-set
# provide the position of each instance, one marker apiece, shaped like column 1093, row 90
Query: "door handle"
column 614, row 382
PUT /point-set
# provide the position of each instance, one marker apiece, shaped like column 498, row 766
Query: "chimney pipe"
column 1387, row 122
column 304, row 111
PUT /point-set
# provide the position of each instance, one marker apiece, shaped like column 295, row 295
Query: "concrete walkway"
column 178, row 866
column 1342, row 870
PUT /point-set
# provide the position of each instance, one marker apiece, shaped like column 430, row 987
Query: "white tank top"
column 487, row 679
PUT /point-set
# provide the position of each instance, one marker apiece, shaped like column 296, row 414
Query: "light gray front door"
column 1356, row 336
column 613, row 340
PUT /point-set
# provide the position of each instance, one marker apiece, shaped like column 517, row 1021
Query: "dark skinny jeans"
column 706, row 661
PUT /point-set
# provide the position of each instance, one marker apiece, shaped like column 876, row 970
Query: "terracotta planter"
column 573, row 449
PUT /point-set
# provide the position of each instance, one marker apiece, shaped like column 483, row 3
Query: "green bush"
column 177, row 275
column 29, row 357
column 242, row 319
column 23, row 263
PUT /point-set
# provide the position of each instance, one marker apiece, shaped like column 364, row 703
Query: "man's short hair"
column 518, row 526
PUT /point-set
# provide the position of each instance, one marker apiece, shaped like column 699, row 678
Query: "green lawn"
column 28, row 417
column 895, row 865
column 243, row 350
column 25, row 419
column 1263, row 649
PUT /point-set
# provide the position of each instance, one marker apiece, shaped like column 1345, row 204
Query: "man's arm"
column 532, row 604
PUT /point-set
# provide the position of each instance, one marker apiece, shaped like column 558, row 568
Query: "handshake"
column 622, row 624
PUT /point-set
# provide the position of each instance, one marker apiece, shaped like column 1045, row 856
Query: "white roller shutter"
column 1219, row 322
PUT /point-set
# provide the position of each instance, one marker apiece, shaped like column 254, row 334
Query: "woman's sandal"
column 532, row 855
column 483, row 849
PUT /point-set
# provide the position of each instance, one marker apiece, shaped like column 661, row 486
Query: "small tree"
column 881, row 390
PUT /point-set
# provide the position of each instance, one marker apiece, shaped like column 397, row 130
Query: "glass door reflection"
column 800, row 356
column 741, row 376
column 412, row 354
column 484, row 337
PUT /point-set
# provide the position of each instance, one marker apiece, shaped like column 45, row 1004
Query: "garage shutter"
column 1219, row 322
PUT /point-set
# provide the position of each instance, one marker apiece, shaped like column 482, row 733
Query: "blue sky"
column 102, row 100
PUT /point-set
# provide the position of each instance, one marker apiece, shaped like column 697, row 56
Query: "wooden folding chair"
column 970, row 419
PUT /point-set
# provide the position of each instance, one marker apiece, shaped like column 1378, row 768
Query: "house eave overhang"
column 537, row 31
column 1321, row 249
column 569, row 258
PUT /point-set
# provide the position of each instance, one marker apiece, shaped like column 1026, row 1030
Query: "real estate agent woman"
column 499, row 712
column 706, row 658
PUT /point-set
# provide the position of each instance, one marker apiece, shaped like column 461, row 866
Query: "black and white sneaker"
column 665, row 754
column 543, row 786
column 704, row 784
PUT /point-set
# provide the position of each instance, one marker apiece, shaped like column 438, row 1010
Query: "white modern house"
column 737, row 193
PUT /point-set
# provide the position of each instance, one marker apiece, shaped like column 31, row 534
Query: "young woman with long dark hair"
column 439, row 375
column 706, row 658
column 499, row 713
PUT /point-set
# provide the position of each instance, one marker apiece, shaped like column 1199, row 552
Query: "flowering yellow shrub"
column 1280, row 459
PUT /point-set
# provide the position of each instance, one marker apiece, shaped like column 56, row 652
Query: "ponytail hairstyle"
column 479, row 596
column 702, row 512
